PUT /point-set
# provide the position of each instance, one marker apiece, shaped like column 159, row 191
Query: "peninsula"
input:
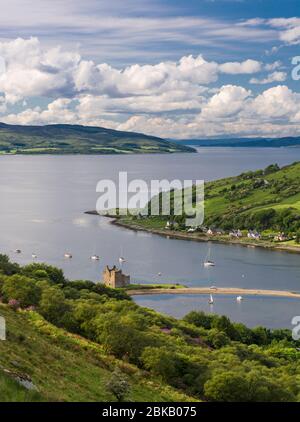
column 76, row 139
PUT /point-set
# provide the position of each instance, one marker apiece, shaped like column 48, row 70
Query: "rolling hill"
column 289, row 141
column 266, row 200
column 76, row 139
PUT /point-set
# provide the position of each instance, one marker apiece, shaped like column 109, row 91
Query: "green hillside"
column 81, row 341
column 64, row 366
column 76, row 139
column 264, row 200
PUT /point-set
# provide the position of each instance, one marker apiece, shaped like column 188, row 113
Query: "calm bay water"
column 43, row 199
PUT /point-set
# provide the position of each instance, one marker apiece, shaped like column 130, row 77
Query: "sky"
column 171, row 68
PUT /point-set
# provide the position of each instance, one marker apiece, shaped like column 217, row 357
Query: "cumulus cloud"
column 179, row 99
column 272, row 77
column 245, row 67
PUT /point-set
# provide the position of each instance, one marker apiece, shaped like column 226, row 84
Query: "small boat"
column 159, row 274
column 68, row 255
column 121, row 259
column 239, row 298
column 95, row 258
column 34, row 256
column 211, row 300
column 213, row 288
column 18, row 251
column 208, row 262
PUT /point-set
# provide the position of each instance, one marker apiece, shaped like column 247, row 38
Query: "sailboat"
column 208, row 262
column 95, row 257
column 122, row 259
column 211, row 300
column 239, row 298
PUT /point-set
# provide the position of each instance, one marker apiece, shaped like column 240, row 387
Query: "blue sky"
column 198, row 68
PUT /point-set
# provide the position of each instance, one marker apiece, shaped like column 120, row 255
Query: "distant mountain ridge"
column 288, row 141
column 77, row 139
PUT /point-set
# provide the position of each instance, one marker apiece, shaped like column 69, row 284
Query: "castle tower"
column 114, row 278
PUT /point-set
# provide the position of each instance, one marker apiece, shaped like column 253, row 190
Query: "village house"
column 253, row 235
column 113, row 277
column 281, row 237
column 236, row 233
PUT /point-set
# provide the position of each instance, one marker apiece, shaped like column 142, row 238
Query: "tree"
column 38, row 271
column 53, row 305
column 227, row 387
column 218, row 339
column 118, row 385
column 7, row 267
column 21, row 288
column 119, row 338
column 222, row 323
column 199, row 319
column 160, row 361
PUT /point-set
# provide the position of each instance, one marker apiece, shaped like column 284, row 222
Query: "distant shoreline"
column 196, row 237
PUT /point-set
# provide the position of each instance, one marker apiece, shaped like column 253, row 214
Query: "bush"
column 38, row 271
column 53, row 306
column 21, row 288
column 7, row 267
column 118, row 385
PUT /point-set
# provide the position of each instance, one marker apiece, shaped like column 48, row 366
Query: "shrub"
column 21, row 288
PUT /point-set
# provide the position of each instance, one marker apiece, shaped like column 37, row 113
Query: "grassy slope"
column 65, row 367
column 281, row 192
column 247, row 198
column 71, row 139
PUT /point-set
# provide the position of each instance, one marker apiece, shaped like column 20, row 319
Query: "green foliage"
column 21, row 288
column 256, row 200
column 118, row 385
column 53, row 306
column 200, row 319
column 44, row 271
column 206, row 356
column 7, row 267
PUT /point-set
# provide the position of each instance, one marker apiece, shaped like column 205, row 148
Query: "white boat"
column 208, row 262
column 34, row 256
column 95, row 258
column 68, row 255
column 211, row 300
column 239, row 298
column 159, row 274
column 121, row 259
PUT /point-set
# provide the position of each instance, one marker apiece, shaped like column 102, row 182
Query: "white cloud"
column 289, row 29
column 227, row 102
column 170, row 98
column 245, row 67
column 273, row 77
